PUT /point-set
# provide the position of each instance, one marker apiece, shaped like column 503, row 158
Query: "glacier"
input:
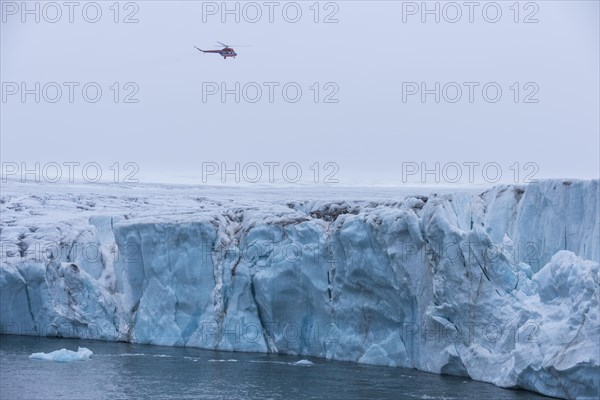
column 500, row 285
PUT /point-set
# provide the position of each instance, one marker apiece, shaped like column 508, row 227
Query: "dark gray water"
column 132, row 371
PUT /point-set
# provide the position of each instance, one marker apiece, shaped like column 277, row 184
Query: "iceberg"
column 303, row 362
column 64, row 355
column 500, row 285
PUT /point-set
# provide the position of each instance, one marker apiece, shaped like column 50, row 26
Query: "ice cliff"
column 501, row 286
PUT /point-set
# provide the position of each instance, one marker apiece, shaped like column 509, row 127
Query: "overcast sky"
column 370, row 61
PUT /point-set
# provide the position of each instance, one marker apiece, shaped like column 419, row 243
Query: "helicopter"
column 226, row 51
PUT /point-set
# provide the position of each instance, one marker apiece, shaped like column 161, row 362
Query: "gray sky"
column 368, row 54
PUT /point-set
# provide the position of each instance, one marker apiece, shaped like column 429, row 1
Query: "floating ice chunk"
column 64, row 355
column 303, row 362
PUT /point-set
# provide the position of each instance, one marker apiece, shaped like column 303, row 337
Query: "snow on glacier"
column 500, row 285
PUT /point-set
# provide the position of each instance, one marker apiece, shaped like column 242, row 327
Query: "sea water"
column 134, row 371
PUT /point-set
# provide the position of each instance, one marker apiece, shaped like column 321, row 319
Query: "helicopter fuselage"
column 226, row 52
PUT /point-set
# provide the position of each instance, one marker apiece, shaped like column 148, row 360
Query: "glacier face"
column 501, row 286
